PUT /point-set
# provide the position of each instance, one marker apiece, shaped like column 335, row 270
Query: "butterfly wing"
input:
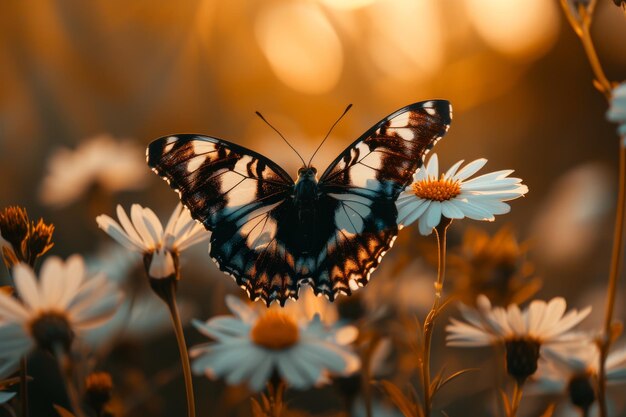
column 359, row 190
column 240, row 196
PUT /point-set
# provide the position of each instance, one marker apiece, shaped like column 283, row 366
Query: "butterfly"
column 274, row 234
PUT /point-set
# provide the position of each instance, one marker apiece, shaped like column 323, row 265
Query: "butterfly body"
column 273, row 234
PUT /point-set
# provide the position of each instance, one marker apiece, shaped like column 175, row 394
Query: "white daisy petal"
column 408, row 214
column 136, row 214
column 26, row 283
column 261, row 374
column 470, row 169
column 432, row 167
column 128, row 226
column 453, row 169
column 433, row 214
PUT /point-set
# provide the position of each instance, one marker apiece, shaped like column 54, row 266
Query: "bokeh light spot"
column 301, row 46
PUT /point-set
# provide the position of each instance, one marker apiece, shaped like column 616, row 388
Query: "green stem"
column 616, row 258
column 429, row 323
column 24, row 386
column 182, row 349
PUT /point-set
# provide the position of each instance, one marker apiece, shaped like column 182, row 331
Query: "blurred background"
column 85, row 86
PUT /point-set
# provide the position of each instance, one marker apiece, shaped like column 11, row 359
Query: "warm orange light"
column 347, row 4
column 524, row 28
column 301, row 46
column 406, row 40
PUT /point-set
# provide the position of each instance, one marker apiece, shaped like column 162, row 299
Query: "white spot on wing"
column 374, row 159
column 401, row 120
column 169, row 143
column 195, row 163
column 202, row 147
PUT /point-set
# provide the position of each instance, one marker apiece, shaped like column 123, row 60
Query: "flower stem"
column 65, row 367
column 182, row 347
column 429, row 323
column 516, row 399
column 276, row 390
column 24, row 386
column 581, row 23
column 616, row 259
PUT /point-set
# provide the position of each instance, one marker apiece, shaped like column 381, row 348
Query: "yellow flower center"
column 275, row 330
column 441, row 189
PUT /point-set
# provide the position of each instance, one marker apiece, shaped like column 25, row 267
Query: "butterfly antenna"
column 281, row 135
column 328, row 134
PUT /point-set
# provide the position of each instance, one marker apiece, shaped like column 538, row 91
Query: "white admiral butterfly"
column 273, row 234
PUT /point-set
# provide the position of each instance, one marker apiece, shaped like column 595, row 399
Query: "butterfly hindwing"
column 269, row 241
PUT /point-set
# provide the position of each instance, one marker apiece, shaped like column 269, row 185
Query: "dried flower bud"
column 98, row 390
column 39, row 239
column 14, row 225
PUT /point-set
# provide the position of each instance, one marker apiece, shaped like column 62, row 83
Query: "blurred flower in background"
column 496, row 266
column 568, row 225
column 101, row 161
column 522, row 333
column 572, row 369
column 54, row 309
column 252, row 345
column 617, row 111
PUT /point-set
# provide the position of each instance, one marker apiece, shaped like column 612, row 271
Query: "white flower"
column 570, row 360
column 253, row 344
column 453, row 196
column 572, row 369
column 102, row 160
column 523, row 333
column 541, row 321
column 53, row 310
column 617, row 111
column 145, row 234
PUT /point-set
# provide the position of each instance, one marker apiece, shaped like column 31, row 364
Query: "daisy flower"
column 54, row 309
column 255, row 344
column 146, row 235
column 102, row 160
column 454, row 196
column 617, row 110
column 522, row 333
column 572, row 368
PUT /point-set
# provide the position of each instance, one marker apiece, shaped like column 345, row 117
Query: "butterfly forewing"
column 218, row 181
column 271, row 244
